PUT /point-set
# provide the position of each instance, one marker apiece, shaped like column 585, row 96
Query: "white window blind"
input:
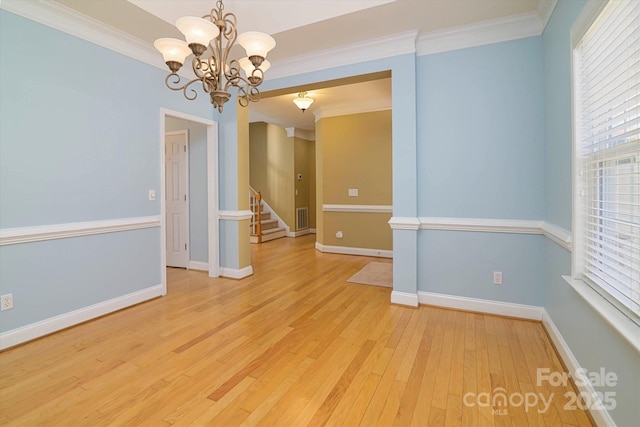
column 607, row 95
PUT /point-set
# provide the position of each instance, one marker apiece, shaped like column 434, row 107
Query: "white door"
column 177, row 206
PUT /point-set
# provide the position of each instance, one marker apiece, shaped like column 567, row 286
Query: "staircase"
column 263, row 227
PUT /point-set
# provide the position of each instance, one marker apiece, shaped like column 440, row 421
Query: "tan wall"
column 312, row 184
column 319, row 169
column 272, row 168
column 355, row 152
column 304, row 152
column 360, row 230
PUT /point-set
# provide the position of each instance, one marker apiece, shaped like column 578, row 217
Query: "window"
column 607, row 155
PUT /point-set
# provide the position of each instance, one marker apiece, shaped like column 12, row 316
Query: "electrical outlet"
column 497, row 277
column 6, row 302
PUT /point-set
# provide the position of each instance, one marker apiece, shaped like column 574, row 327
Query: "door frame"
column 184, row 132
column 212, row 194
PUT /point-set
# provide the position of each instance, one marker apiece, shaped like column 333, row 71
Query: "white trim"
column 300, row 232
column 212, row 192
column 57, row 323
column 358, row 208
column 404, row 223
column 481, row 224
column 601, row 417
column 521, row 311
column 312, row 230
column 492, row 31
column 621, row 323
column 369, row 50
column 545, row 10
column 345, row 250
column 213, row 225
column 235, row 215
column 404, row 298
column 558, row 234
column 65, row 19
column 307, row 135
column 38, row 233
column 382, row 104
column 198, row 265
column 583, row 22
column 234, row 273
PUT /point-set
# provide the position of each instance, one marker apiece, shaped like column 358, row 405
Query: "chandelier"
column 303, row 101
column 210, row 39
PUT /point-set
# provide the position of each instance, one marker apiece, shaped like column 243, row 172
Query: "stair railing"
column 256, row 218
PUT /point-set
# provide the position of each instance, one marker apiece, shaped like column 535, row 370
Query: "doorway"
column 201, row 193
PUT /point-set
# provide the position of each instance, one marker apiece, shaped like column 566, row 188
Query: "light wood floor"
column 293, row 345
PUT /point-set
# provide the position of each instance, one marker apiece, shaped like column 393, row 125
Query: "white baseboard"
column 383, row 253
column 197, row 265
column 300, row 233
column 404, row 298
column 63, row 321
column 600, row 416
column 234, row 273
column 521, row 311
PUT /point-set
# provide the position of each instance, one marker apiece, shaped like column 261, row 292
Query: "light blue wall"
column 481, row 155
column 594, row 343
column 79, row 141
column 481, row 132
column 228, row 182
column 462, row 264
column 198, row 227
column 53, row 277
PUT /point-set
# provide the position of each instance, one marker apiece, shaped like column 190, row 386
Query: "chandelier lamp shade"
column 303, row 101
column 210, row 40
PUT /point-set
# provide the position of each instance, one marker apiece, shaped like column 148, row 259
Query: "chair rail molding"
column 358, row 208
column 38, row 233
column 235, row 215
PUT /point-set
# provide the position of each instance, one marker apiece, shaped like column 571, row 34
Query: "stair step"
column 273, row 233
column 263, row 215
column 268, row 224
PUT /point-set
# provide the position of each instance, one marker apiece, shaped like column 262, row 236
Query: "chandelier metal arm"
column 175, row 85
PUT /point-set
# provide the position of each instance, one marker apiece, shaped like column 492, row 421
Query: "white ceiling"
column 304, row 26
column 269, row 17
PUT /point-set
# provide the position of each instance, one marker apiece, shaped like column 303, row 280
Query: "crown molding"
column 357, row 108
column 63, row 18
column 545, row 10
column 307, row 135
column 369, row 50
column 487, row 32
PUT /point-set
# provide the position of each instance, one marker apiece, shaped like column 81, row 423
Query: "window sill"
column 621, row 323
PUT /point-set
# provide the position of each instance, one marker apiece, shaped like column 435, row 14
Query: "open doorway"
column 348, row 130
column 200, row 191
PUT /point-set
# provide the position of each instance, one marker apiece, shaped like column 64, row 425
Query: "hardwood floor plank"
column 293, row 345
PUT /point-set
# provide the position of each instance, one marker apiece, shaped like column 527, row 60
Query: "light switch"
column 152, row 195
column 353, row 192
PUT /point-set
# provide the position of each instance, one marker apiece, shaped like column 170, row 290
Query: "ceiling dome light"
column 303, row 101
